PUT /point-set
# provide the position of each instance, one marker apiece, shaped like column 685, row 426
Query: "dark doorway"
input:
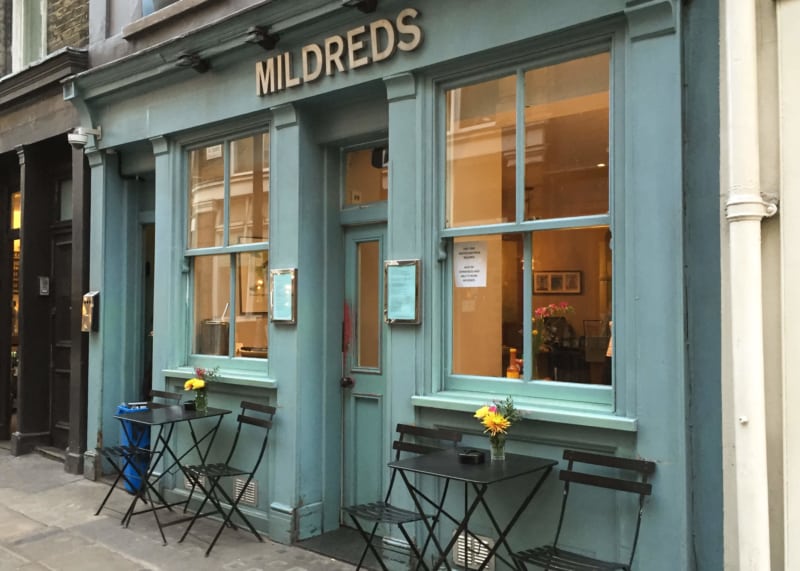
column 148, row 258
column 61, row 341
column 9, row 290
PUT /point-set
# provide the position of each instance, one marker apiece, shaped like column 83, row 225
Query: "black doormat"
column 344, row 544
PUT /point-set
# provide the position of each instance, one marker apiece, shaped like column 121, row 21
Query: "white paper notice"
column 470, row 266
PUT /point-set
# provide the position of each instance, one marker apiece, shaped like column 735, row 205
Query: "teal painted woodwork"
column 146, row 106
column 364, row 441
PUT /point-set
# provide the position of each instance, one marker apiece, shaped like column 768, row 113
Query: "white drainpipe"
column 745, row 209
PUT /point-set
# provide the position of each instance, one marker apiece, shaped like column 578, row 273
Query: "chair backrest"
column 420, row 440
column 159, row 399
column 259, row 417
column 423, row 440
column 634, row 481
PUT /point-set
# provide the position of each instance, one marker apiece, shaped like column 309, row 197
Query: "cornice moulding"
column 48, row 72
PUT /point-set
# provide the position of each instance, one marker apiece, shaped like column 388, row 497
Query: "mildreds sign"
column 356, row 48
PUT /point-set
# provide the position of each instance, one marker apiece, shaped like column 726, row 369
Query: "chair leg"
column 199, row 511
column 413, row 546
column 233, row 509
column 369, row 538
column 108, row 495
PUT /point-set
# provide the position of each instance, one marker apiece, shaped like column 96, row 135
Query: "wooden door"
column 364, row 443
column 60, row 342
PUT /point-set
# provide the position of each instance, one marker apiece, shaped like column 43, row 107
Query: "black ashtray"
column 471, row 456
column 189, row 405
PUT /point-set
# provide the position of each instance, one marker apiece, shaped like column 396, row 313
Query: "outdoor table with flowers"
column 448, row 466
column 166, row 454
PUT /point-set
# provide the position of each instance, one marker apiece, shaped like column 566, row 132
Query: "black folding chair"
column 257, row 417
column 425, row 441
column 554, row 557
column 136, row 452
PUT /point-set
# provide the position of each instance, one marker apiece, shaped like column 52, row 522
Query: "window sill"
column 160, row 16
column 238, row 378
column 595, row 416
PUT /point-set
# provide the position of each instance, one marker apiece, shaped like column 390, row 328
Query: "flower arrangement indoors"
column 540, row 334
column 199, row 384
column 496, row 420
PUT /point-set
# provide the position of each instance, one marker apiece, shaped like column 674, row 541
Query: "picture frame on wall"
column 558, row 282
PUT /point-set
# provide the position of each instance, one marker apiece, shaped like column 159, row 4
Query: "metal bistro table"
column 165, row 419
column 446, row 465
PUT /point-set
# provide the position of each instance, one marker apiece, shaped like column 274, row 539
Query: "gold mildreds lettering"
column 403, row 27
column 265, row 77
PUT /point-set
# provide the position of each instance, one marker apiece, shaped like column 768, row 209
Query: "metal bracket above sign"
column 401, row 291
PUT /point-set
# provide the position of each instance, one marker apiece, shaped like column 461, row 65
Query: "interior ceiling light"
column 193, row 60
column 365, row 6
column 260, row 36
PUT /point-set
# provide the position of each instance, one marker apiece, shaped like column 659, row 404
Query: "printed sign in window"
column 470, row 264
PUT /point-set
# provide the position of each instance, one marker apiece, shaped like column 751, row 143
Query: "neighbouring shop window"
column 150, row 6
column 228, row 238
column 28, row 37
column 65, row 200
column 527, row 214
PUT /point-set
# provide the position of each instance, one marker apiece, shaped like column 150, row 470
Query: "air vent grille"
column 472, row 550
column 250, row 496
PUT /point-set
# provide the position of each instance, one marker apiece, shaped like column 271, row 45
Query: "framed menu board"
column 401, row 296
column 283, row 295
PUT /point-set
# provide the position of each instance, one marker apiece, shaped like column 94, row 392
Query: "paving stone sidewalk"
column 47, row 522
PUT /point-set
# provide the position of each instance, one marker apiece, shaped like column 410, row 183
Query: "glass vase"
column 498, row 449
column 201, row 400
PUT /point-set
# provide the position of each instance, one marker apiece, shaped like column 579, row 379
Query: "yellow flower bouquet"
column 199, row 384
column 496, row 420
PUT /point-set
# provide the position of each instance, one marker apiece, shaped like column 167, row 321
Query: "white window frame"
column 28, row 33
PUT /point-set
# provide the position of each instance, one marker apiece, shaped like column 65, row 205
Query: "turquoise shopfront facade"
column 541, row 163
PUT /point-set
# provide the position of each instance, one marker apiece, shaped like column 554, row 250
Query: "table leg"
column 429, row 526
column 202, row 455
column 502, row 533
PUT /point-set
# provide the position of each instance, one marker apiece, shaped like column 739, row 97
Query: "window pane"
column 251, row 304
column 368, row 311
column 212, row 304
column 206, row 197
column 480, row 176
column 249, row 190
column 65, row 199
column 572, row 305
column 150, row 6
column 566, row 138
column 16, row 210
column 487, row 303
column 366, row 179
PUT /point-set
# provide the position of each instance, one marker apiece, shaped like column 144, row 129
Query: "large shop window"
column 527, row 216
column 228, row 243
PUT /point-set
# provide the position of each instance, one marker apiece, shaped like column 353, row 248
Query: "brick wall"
column 67, row 24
